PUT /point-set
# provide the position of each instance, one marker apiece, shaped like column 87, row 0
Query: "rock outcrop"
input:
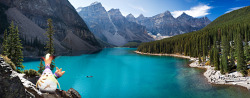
column 31, row 17
column 10, row 87
column 111, row 26
column 15, row 85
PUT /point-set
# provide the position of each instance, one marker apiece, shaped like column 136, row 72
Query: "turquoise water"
column 120, row 73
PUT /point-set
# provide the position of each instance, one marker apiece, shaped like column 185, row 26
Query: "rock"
column 73, row 93
column 10, row 87
column 14, row 85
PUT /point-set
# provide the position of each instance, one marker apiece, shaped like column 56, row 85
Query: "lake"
column 121, row 73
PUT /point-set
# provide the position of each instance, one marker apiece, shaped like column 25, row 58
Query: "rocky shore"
column 15, row 85
column 212, row 75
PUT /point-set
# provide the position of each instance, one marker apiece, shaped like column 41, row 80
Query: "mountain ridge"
column 111, row 26
column 165, row 24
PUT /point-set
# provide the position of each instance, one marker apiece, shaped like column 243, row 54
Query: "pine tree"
column 50, row 45
column 221, row 68
column 11, row 41
column 216, row 58
column 240, row 54
column 12, row 47
column 232, row 58
column 204, row 52
column 225, row 51
column 246, row 48
column 41, row 67
column 5, row 43
column 18, row 53
column 199, row 58
column 211, row 56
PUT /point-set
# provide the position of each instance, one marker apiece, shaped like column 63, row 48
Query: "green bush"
column 31, row 73
column 8, row 61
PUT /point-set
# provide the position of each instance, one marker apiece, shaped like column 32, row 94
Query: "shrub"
column 207, row 63
column 31, row 73
column 8, row 61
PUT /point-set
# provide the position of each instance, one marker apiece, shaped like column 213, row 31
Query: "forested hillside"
column 224, row 41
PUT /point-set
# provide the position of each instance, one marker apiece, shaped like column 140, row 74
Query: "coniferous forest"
column 224, row 42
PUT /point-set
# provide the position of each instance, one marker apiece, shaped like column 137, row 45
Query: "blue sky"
column 196, row 8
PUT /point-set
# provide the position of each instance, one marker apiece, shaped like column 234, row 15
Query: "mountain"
column 194, row 22
column 231, row 26
column 71, row 32
column 129, row 30
column 111, row 26
column 166, row 25
column 131, row 18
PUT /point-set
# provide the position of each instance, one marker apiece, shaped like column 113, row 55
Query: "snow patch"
column 158, row 36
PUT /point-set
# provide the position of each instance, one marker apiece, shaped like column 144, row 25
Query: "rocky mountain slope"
column 15, row 85
column 111, row 26
column 166, row 25
column 71, row 32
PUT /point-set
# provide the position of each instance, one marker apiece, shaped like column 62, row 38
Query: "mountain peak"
column 130, row 16
column 167, row 12
column 115, row 12
column 185, row 15
column 95, row 3
column 96, row 7
column 141, row 16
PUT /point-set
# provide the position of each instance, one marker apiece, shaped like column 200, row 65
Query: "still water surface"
column 120, row 73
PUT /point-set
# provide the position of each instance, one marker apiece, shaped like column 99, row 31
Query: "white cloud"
column 196, row 11
column 138, row 8
column 232, row 9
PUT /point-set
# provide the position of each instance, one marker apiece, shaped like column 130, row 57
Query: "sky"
column 196, row 8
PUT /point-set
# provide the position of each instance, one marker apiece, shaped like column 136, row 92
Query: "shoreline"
column 213, row 76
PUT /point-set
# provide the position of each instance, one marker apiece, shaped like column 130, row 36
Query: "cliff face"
column 14, row 85
column 111, row 26
column 10, row 87
column 130, row 30
column 66, row 22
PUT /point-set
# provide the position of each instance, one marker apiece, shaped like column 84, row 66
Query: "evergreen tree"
column 50, row 45
column 216, row 58
column 246, row 52
column 12, row 47
column 5, row 43
column 225, row 51
column 11, row 41
column 232, row 58
column 199, row 58
column 204, row 52
column 221, row 68
column 41, row 67
column 240, row 54
column 18, row 53
column 246, row 48
column 211, row 57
